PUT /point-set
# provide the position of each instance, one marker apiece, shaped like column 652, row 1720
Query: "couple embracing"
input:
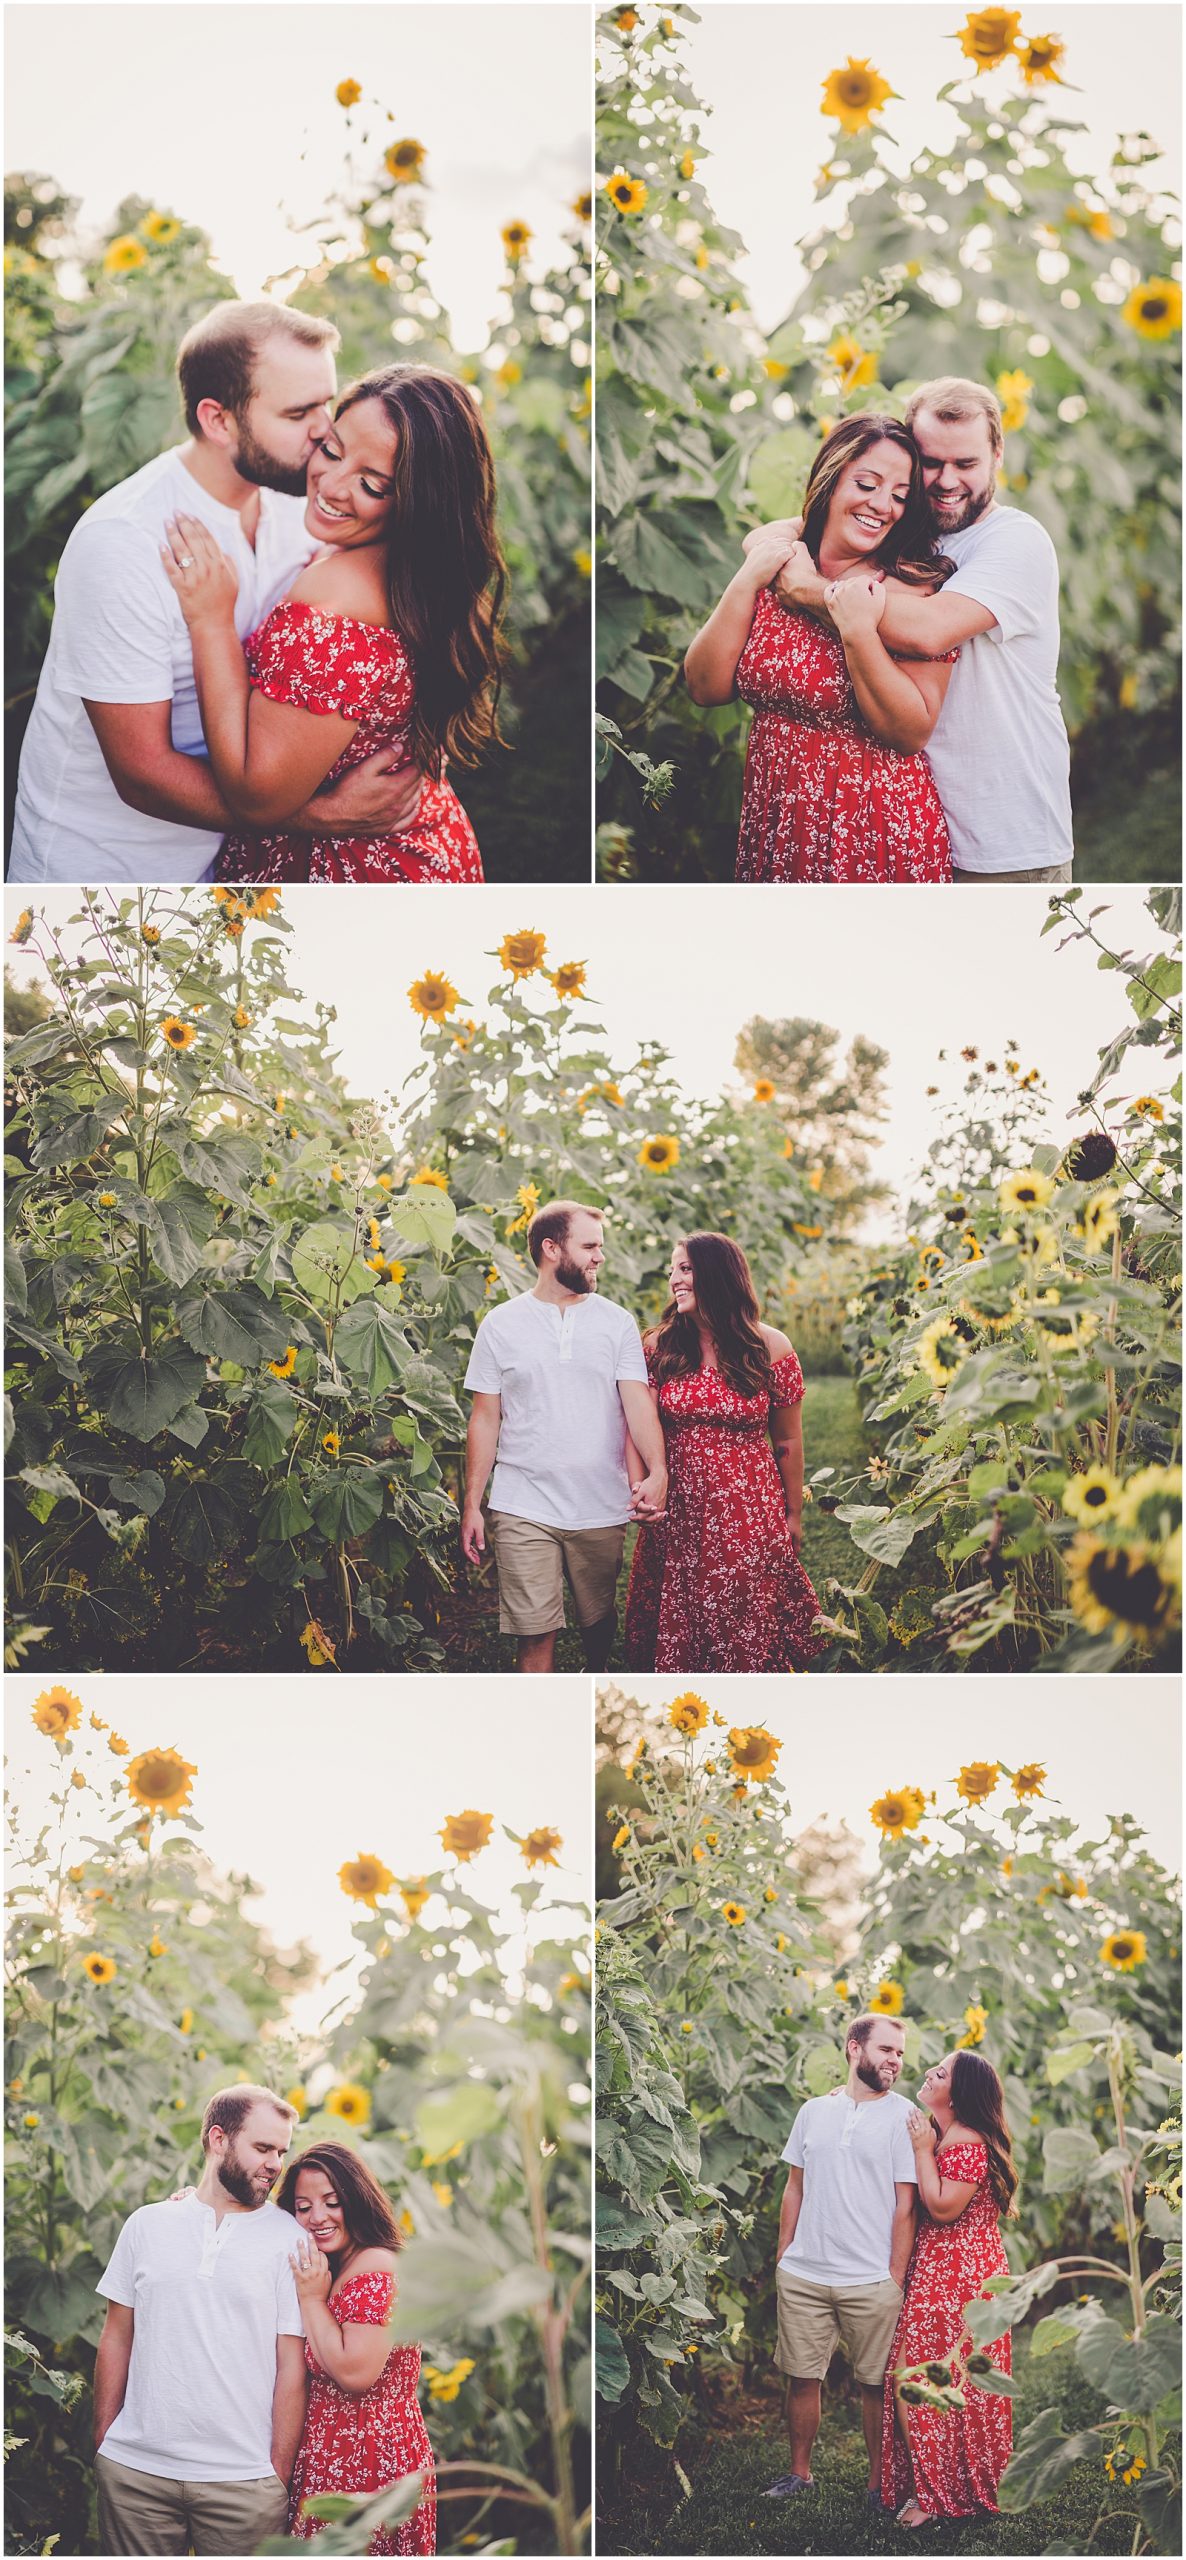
column 245, row 2363
column 695, row 1435
column 269, row 640
column 890, row 2227
column 898, row 645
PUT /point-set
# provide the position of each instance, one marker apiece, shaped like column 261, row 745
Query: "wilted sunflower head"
column 1090, row 1156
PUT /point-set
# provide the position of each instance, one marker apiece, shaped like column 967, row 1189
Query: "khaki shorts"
column 1014, row 879
column 140, row 2512
column 814, row 2319
column 534, row 1561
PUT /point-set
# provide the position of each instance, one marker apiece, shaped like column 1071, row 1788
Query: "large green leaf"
column 284, row 1514
column 371, row 1345
column 884, row 1535
column 205, row 1522
column 457, row 2115
column 143, row 1396
column 328, row 1262
column 612, row 2364
column 1068, row 2156
column 424, row 1216
column 1134, row 2374
column 232, row 1324
column 180, row 1226
column 1041, row 2461
column 349, row 1505
column 271, row 1422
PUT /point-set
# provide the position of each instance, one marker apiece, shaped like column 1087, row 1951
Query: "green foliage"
column 989, row 259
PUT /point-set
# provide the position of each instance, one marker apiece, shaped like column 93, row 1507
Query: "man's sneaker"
column 789, row 2486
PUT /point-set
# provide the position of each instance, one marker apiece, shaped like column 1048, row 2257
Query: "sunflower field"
column 137, row 1986
column 990, row 259
column 241, row 1303
column 92, row 397
column 723, row 1991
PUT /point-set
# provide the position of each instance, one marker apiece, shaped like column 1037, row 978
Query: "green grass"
column 731, row 2454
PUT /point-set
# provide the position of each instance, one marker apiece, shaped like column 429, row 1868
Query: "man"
column 113, row 781
column 844, row 2241
column 999, row 749
column 200, row 2373
column 560, row 1395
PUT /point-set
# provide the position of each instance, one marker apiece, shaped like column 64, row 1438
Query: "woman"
column 949, row 2462
column 836, row 784
column 363, row 2427
column 388, row 638
column 717, row 1585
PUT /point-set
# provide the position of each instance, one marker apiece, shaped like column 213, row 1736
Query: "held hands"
column 312, row 2272
column 855, row 605
column 203, row 580
column 921, row 2130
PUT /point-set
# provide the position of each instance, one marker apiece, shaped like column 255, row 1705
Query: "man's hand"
column 473, row 1533
column 798, row 580
column 648, row 1499
column 379, row 797
column 856, row 605
column 765, row 552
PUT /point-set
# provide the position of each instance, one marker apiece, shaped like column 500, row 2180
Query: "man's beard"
column 253, row 462
column 570, row 1276
column 973, row 510
column 238, row 2184
column 870, row 2073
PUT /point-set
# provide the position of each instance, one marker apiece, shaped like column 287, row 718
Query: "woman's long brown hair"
column 908, row 551
column 727, row 1302
column 978, row 2101
column 445, row 573
column 367, row 2213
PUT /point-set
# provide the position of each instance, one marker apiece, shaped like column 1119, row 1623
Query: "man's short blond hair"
column 862, row 2028
column 952, row 397
column 217, row 357
column 230, row 2108
column 550, row 1224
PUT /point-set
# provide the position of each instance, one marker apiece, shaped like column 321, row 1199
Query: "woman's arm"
column 944, row 2198
column 786, row 1432
column 354, row 2354
column 267, row 758
column 899, row 704
column 710, row 666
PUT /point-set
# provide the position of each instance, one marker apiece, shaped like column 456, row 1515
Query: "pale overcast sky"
column 910, row 969
column 296, row 1775
column 759, row 66
column 226, row 115
column 919, row 1734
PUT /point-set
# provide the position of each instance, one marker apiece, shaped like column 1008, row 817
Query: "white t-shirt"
column 852, row 2154
column 999, row 749
column 211, row 2297
column 562, row 1442
column 119, row 635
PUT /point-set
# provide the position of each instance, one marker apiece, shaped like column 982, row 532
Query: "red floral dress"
column 822, row 799
column 715, row 1586
column 327, row 662
column 957, row 2455
column 357, row 2440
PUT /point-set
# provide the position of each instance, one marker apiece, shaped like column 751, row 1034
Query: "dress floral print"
column 822, row 799
column 325, row 663
column 958, row 2455
column 356, row 2440
column 715, row 1586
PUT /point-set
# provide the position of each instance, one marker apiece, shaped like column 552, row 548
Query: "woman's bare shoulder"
column 776, row 1342
column 372, row 2262
column 344, row 582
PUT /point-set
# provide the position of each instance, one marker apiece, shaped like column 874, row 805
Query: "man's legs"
column 807, row 2337
column 803, row 2417
column 869, row 2316
column 871, row 2419
column 1052, row 878
column 536, row 1653
column 529, row 1559
column 593, row 1561
column 229, row 2517
column 139, row 2512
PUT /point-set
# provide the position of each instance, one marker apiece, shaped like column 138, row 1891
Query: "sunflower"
column 940, row 1351
column 116, row 1743
column 627, row 193
column 1092, row 1496
column 179, row 1035
column 989, row 36
column 1154, row 309
column 688, row 1714
column 404, row 161
column 1090, row 1156
column 464, row 1834
column 364, row 1878
column 427, row 1177
column 977, row 1780
column 538, row 1848
column 515, row 236
column 523, row 953
column 856, row 365
column 975, row 2020
column 242, row 1018
column 734, row 1913
column 160, row 228
column 445, row 2385
column 764, row 1091
column 348, row 93
column 753, row 1751
column 1151, row 1502
column 284, row 1368
column 1147, row 1107
column 1013, row 391
column 887, row 2001
column 100, row 1968
column 56, row 1713
column 1100, row 1222
column 659, row 1155
column 160, row 1780
column 157, row 1946
column 569, row 978
column 1124, row 1950
column 853, row 94
column 1024, row 1194
column 899, row 1810
column 350, row 2102
column 1038, row 58
column 625, row 21
column 124, row 255
column 528, row 1197
column 331, row 1442
column 23, row 927
column 582, row 206
column 414, row 1894
column 621, row 1839
column 1120, row 1587
column 433, row 996
column 687, row 166
column 1029, row 1780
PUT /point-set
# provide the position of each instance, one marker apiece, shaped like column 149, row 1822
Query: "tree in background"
column 831, row 1106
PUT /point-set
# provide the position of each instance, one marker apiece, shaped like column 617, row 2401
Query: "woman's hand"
column 794, row 1533
column 767, row 551
column 203, row 580
column 312, row 2272
column 856, row 606
column 921, row 2130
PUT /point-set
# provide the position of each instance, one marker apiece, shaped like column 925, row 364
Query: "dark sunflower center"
column 1128, row 1587
column 854, row 89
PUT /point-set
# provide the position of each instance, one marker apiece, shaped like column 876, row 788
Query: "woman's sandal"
column 913, row 2521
